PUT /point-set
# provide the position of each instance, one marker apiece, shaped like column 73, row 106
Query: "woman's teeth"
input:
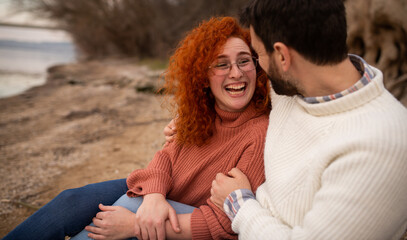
column 236, row 88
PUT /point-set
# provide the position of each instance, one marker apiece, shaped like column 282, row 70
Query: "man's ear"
column 283, row 55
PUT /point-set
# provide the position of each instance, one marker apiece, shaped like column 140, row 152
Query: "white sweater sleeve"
column 362, row 195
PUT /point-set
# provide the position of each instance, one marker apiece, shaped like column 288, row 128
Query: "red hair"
column 187, row 78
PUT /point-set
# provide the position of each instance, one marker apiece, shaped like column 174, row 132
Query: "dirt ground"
column 90, row 122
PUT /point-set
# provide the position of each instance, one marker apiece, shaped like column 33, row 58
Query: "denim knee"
column 70, row 196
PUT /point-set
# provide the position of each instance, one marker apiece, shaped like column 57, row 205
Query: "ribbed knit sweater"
column 334, row 170
column 185, row 173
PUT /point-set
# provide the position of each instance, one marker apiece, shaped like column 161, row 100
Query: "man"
column 336, row 146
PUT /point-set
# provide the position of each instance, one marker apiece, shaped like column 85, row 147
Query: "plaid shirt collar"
column 367, row 76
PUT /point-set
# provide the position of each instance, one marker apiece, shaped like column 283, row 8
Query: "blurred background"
column 78, row 84
column 94, row 29
column 37, row 33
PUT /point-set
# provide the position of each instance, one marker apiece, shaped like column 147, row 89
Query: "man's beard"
column 281, row 84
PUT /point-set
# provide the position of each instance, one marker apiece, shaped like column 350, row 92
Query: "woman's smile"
column 236, row 89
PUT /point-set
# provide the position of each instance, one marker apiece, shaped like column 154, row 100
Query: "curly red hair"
column 187, row 78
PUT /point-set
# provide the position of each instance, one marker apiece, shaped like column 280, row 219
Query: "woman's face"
column 233, row 89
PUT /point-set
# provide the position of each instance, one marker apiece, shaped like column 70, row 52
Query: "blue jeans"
column 69, row 212
column 133, row 204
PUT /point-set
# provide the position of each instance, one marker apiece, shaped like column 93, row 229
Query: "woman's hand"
column 114, row 222
column 169, row 132
column 151, row 217
column 223, row 185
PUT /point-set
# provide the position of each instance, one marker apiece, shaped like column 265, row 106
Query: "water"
column 26, row 53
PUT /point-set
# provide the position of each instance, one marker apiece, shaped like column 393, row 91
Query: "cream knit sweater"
column 334, row 170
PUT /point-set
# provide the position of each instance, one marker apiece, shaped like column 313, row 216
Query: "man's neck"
column 325, row 80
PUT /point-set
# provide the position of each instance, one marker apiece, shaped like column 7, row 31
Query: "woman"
column 222, row 115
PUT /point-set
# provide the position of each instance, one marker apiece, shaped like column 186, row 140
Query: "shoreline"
column 15, row 83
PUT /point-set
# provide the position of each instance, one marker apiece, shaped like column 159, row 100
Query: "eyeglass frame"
column 255, row 60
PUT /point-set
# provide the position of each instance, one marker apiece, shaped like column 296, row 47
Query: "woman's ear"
column 283, row 55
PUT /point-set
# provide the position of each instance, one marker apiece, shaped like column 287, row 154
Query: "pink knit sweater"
column 185, row 173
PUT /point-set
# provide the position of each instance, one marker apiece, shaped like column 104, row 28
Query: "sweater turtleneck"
column 234, row 119
column 346, row 103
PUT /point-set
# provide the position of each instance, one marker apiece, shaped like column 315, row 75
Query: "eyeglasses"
column 223, row 67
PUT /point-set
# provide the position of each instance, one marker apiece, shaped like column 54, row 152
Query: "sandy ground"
column 90, row 122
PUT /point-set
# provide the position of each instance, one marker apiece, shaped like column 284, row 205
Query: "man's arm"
column 359, row 197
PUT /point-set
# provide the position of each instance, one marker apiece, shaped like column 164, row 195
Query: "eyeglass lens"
column 244, row 64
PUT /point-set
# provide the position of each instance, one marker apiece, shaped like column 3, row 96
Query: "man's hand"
column 114, row 222
column 223, row 185
column 151, row 217
column 169, row 132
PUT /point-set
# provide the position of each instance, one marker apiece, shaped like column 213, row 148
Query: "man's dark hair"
column 314, row 28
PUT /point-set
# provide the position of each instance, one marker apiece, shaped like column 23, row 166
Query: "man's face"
column 281, row 82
